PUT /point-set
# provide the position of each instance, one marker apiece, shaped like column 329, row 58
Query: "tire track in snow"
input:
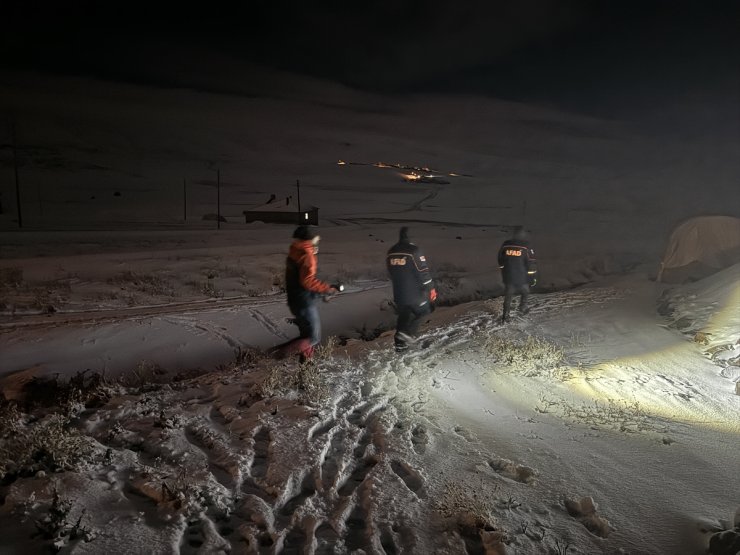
column 418, row 205
column 267, row 323
column 90, row 317
column 206, row 329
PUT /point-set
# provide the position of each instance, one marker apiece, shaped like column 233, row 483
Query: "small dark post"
column 184, row 200
column 524, row 213
column 17, row 185
column 298, row 187
column 41, row 203
column 218, row 198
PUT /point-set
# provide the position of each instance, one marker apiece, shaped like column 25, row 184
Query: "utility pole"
column 298, row 187
column 218, row 198
column 524, row 213
column 17, row 185
column 41, row 202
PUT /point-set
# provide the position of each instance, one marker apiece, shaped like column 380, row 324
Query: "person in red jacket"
column 304, row 290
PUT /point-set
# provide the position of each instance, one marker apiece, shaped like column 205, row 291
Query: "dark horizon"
column 603, row 58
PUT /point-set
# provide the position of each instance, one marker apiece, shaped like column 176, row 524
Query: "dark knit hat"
column 403, row 236
column 305, row 232
column 520, row 233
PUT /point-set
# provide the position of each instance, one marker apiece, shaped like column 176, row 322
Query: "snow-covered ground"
column 605, row 421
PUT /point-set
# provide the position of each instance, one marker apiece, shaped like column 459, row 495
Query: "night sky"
column 606, row 57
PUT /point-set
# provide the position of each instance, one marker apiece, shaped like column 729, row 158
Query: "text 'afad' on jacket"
column 517, row 262
column 409, row 272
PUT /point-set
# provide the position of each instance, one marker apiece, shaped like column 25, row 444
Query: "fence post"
column 524, row 213
column 15, row 170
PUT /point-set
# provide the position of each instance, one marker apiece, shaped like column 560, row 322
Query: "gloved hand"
column 432, row 294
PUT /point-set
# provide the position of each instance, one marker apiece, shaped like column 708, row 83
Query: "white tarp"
column 699, row 247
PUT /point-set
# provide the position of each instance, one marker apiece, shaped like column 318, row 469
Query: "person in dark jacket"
column 304, row 290
column 413, row 288
column 518, row 270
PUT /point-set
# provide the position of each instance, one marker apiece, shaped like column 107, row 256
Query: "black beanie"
column 403, row 236
column 305, row 232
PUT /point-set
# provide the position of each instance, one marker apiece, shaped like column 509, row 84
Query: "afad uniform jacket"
column 412, row 280
column 301, row 283
column 517, row 262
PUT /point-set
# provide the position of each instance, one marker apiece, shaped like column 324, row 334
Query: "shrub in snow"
column 55, row 526
column 465, row 506
column 532, row 352
column 150, row 284
column 620, row 415
column 70, row 397
column 307, row 378
column 11, row 277
column 27, row 446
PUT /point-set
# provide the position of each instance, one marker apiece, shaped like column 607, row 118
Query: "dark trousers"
column 515, row 289
column 408, row 322
column 308, row 322
column 309, row 332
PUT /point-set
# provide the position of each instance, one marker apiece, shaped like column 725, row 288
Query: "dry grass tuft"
column 367, row 334
column 531, row 354
column 18, row 294
column 305, row 378
column 146, row 373
column 71, row 397
column 625, row 416
column 149, row 284
column 57, row 528
column 248, row 357
column 620, row 415
column 11, row 277
column 28, row 445
column 308, row 378
column 465, row 505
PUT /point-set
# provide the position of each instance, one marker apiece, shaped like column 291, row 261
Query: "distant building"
column 282, row 211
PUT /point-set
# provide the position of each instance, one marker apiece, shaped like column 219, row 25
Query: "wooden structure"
column 308, row 217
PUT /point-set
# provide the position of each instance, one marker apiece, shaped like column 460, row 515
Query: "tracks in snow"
column 94, row 317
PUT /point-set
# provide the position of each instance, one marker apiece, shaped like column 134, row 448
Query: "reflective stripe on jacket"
column 517, row 262
column 410, row 274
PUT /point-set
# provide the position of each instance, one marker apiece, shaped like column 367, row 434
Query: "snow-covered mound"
column 709, row 312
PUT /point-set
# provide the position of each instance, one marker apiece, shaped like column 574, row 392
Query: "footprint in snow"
column 410, row 477
column 513, row 471
column 584, row 510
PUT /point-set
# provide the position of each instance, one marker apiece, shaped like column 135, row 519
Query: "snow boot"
column 301, row 347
